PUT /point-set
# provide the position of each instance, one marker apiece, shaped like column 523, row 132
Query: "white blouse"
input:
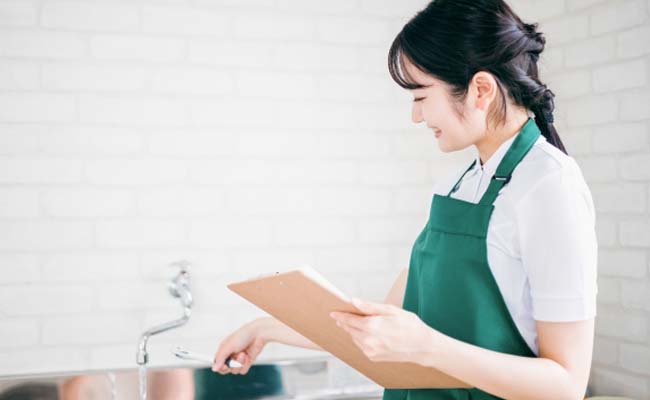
column 541, row 239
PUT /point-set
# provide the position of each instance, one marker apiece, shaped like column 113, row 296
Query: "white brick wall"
column 602, row 80
column 250, row 136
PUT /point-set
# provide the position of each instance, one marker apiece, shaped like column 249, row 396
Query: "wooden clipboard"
column 303, row 299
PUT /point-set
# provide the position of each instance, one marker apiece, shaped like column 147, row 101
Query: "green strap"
column 457, row 185
column 522, row 144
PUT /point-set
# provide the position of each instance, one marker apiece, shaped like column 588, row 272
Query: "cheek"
column 454, row 138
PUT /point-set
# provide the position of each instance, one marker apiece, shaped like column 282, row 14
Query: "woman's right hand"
column 243, row 346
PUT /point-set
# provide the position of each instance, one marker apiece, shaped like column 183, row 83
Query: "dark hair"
column 451, row 40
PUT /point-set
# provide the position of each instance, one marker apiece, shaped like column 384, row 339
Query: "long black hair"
column 451, row 40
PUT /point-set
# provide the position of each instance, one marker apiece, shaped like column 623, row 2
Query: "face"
column 434, row 105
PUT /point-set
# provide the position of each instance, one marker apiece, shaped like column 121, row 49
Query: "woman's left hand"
column 390, row 333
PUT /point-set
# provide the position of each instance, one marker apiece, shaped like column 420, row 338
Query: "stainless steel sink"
column 324, row 378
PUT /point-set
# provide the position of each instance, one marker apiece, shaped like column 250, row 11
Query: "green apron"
column 450, row 285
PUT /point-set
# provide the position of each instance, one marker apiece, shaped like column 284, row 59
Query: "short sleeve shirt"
column 541, row 239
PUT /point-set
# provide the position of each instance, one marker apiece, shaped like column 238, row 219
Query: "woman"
column 500, row 290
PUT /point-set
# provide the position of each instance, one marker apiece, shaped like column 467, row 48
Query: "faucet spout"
column 143, row 356
column 179, row 287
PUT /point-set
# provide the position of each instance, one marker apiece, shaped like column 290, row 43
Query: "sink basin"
column 323, row 378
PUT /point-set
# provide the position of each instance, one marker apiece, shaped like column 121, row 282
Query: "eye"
column 418, row 99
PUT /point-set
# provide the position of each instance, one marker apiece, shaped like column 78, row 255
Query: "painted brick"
column 630, row 327
column 618, row 16
column 181, row 201
column 140, row 233
column 89, row 77
column 37, row 107
column 19, row 202
column 42, row 44
column 18, row 13
column 609, row 291
column 25, row 268
column 175, row 20
column 219, row 233
column 636, row 295
column 635, row 167
column 131, row 110
column 89, row 266
column 19, row 75
column 621, row 198
column 230, row 53
column 635, row 358
column 635, row 106
column 363, row 31
column 37, row 299
column 40, row 171
column 133, row 172
column 273, row 26
column 87, row 202
column 631, row 44
column 622, row 263
column 571, row 84
column 80, row 15
column 635, row 233
column 620, row 76
column 565, row 30
column 592, row 111
column 315, row 232
column 17, row 333
column 590, row 51
column 192, row 81
column 620, row 138
column 138, row 48
column 613, row 381
column 46, row 235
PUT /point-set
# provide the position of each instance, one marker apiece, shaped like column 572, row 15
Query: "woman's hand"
column 243, row 346
column 390, row 333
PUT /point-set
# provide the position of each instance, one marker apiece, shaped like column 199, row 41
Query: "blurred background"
column 252, row 136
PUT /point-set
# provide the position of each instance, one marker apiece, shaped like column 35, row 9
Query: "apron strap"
column 522, row 144
column 457, row 185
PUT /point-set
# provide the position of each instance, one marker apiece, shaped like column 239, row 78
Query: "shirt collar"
column 490, row 167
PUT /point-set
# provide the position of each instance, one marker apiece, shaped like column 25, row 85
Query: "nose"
column 416, row 113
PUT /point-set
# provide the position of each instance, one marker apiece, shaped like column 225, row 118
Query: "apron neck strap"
column 523, row 142
column 457, row 185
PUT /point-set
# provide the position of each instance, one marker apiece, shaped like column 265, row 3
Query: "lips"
column 437, row 132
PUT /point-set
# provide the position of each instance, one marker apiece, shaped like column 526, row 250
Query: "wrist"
column 262, row 328
column 430, row 354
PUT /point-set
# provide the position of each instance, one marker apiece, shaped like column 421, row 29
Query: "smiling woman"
column 503, row 276
column 439, row 53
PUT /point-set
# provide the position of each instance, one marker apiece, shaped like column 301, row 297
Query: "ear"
column 483, row 89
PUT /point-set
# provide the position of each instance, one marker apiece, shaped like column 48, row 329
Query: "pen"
column 184, row 354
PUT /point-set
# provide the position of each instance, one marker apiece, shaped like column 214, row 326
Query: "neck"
column 492, row 139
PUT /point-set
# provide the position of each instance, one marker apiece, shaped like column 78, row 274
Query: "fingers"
column 220, row 357
column 242, row 358
column 351, row 320
column 370, row 307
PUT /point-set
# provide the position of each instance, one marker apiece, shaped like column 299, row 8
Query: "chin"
column 450, row 148
column 445, row 148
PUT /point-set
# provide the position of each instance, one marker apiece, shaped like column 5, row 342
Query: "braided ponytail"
column 454, row 39
column 544, row 105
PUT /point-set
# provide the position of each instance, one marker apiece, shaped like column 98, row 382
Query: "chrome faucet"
column 178, row 287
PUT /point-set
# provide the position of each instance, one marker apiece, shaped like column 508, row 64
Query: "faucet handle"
column 179, row 286
column 182, row 265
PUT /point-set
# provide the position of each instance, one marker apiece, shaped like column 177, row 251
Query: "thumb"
column 369, row 307
column 220, row 359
